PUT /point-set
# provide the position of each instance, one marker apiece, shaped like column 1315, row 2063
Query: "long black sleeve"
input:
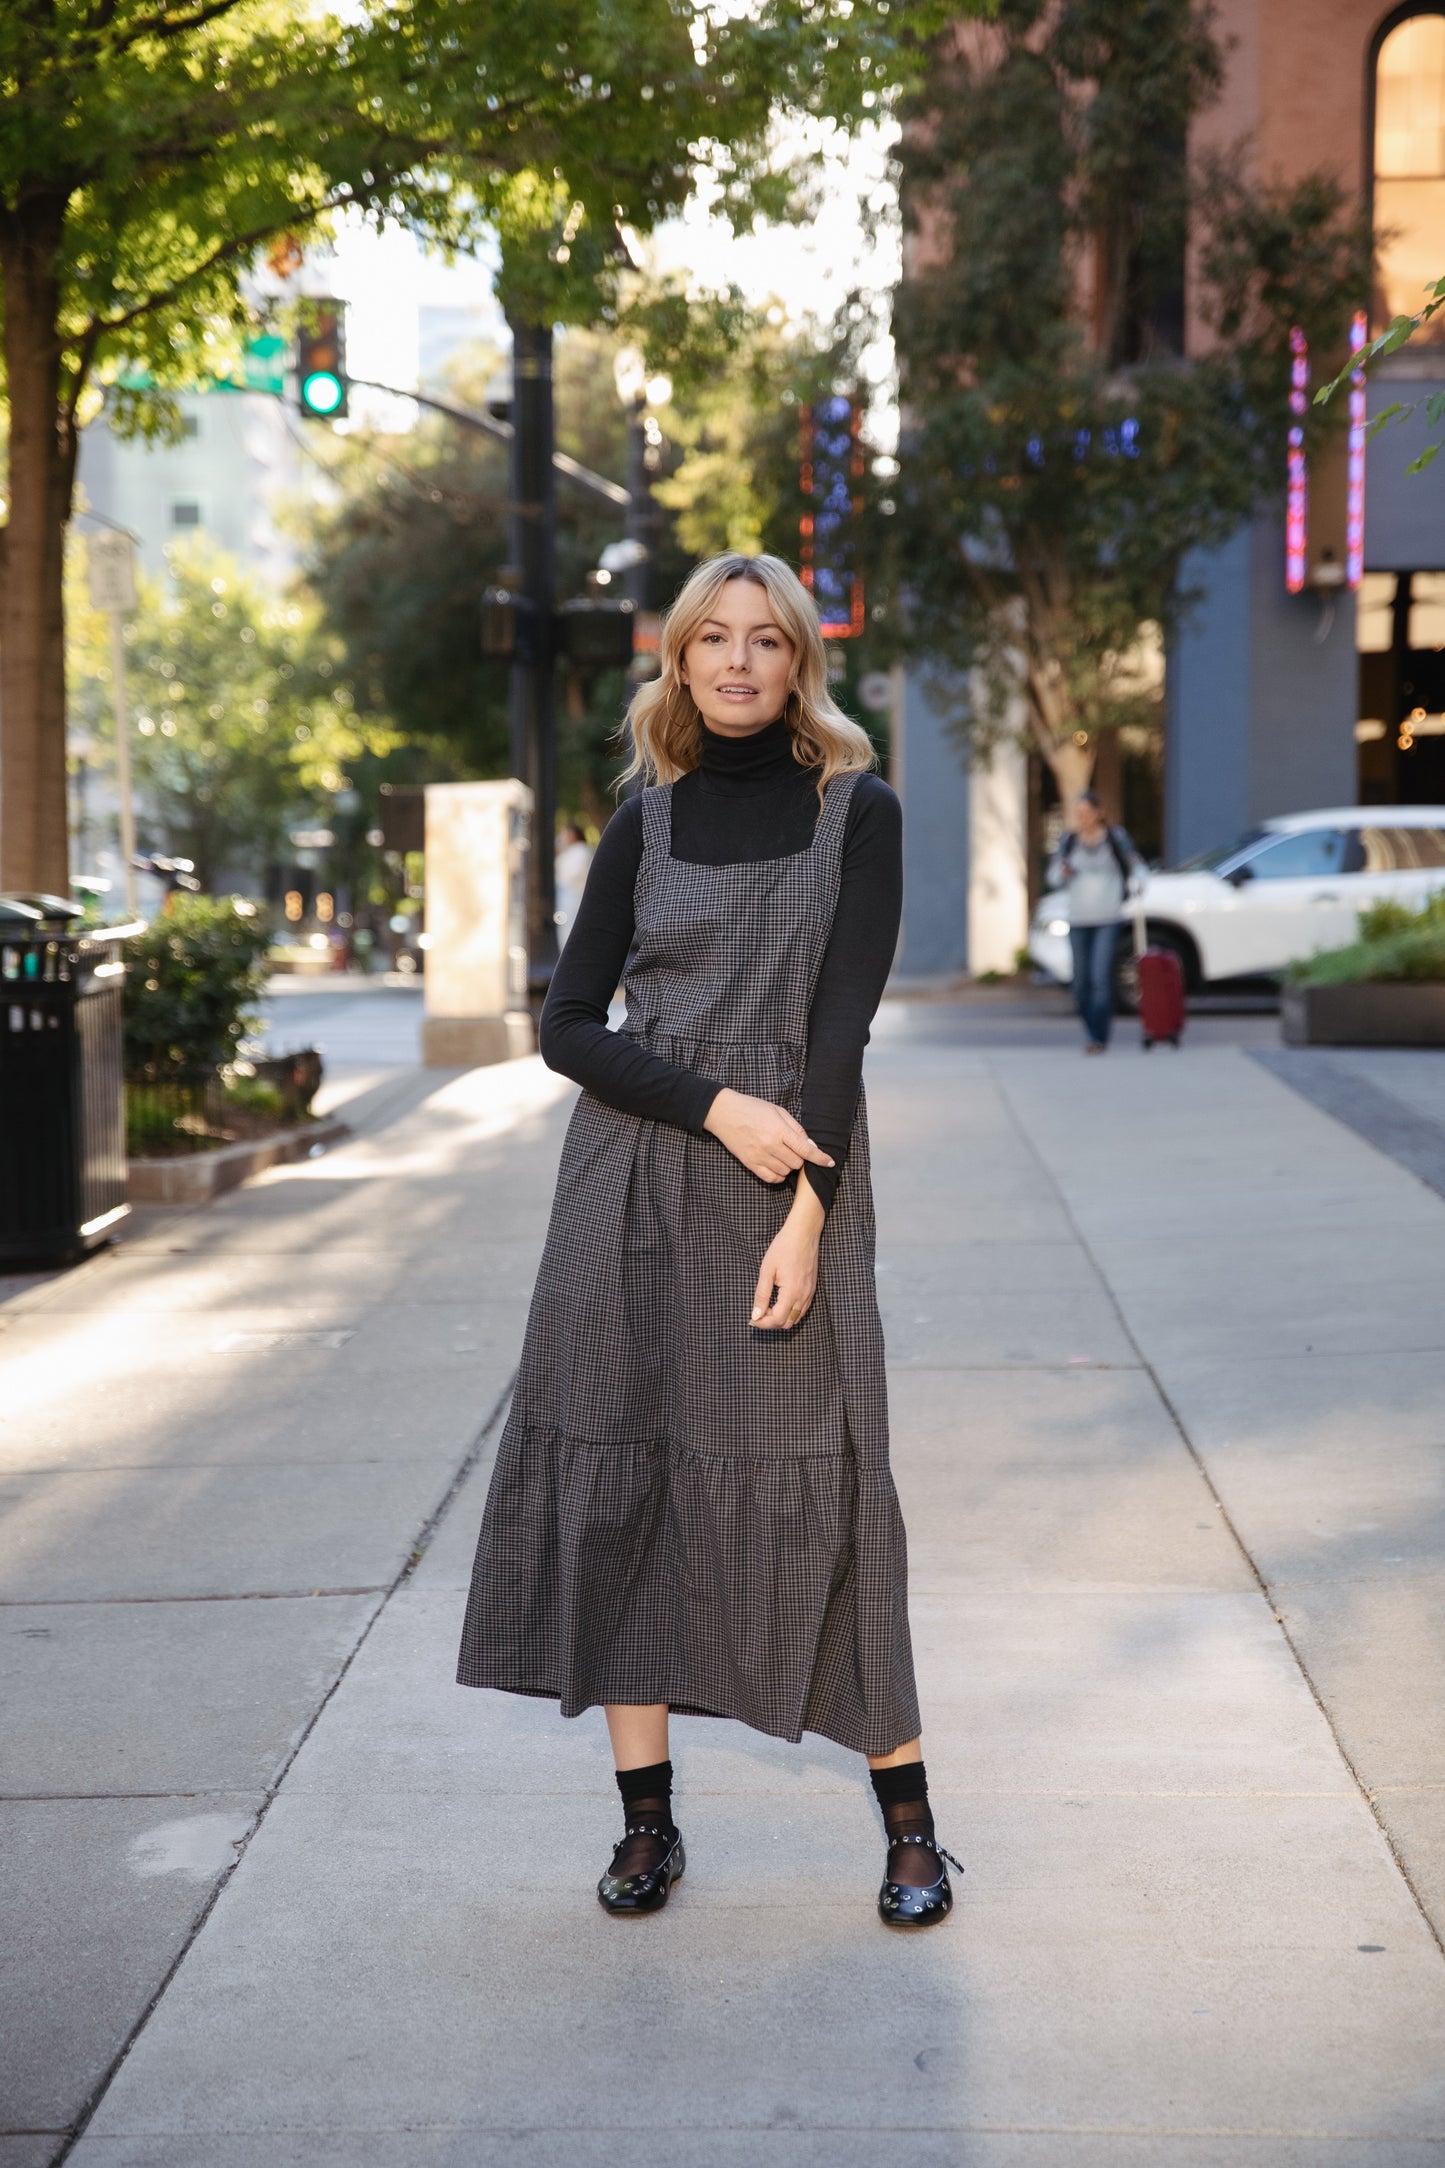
column 855, row 970
column 574, row 1037
column 750, row 802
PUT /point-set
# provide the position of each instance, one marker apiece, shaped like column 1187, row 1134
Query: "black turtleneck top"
column 748, row 799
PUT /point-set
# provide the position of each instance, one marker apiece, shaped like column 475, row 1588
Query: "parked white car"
column 1292, row 886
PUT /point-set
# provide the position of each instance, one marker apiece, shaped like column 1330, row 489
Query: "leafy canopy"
column 165, row 142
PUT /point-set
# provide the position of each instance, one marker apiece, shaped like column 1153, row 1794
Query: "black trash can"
column 62, row 1093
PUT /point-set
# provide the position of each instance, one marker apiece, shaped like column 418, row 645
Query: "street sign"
column 110, row 570
column 263, row 364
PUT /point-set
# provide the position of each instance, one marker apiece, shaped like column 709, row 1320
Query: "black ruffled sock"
column 647, row 1805
column 902, row 1793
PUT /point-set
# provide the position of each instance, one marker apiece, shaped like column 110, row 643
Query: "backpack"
column 1121, row 856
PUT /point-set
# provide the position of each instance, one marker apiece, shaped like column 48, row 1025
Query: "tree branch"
column 164, row 26
column 240, row 244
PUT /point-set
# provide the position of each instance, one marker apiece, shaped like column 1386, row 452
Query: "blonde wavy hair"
column 666, row 725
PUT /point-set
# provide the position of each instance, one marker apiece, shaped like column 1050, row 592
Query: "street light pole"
column 122, row 758
column 640, row 394
column 639, row 524
column 111, row 569
column 532, row 547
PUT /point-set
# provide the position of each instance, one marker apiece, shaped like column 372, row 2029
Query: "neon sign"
column 1355, row 470
column 830, row 467
column 1297, row 501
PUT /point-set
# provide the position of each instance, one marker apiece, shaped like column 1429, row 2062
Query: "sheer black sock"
column 647, row 1805
column 902, row 1793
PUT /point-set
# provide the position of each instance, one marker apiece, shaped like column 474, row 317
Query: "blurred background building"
column 229, row 477
column 1275, row 701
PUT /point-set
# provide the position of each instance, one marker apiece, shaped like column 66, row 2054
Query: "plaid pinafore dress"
column 684, row 1509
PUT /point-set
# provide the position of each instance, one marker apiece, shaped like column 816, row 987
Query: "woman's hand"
column 788, row 1280
column 765, row 1138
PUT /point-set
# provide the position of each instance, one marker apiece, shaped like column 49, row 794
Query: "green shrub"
column 191, row 981
column 254, row 1096
column 1395, row 943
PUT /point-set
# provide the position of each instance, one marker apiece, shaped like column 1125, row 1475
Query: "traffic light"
column 321, row 360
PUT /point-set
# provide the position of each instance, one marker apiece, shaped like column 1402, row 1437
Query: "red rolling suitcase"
column 1161, row 990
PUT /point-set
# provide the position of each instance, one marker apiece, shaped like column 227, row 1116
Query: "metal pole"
column 532, row 539
column 640, row 522
column 122, row 757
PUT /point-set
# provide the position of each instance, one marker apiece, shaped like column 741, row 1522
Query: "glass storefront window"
column 1375, row 614
column 1410, row 168
column 1427, row 597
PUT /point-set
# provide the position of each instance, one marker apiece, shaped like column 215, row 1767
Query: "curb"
column 196, row 1177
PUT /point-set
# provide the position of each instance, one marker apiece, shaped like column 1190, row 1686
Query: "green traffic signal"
column 322, row 392
column 321, row 359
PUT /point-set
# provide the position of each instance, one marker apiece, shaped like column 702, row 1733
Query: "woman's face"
column 737, row 663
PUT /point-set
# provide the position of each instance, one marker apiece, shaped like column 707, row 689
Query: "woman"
column 1100, row 867
column 692, row 1507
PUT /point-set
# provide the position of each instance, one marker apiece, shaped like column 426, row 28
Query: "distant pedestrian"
column 1100, row 868
column 572, row 862
column 692, row 1507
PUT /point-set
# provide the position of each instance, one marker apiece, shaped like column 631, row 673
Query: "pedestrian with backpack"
column 1100, row 868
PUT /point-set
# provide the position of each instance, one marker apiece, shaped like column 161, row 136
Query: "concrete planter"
column 196, row 1177
column 1409, row 1012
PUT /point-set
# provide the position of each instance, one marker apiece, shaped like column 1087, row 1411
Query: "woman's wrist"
column 722, row 1100
column 807, row 1215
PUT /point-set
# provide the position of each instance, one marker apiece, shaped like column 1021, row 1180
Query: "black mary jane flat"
column 628, row 1896
column 903, row 1904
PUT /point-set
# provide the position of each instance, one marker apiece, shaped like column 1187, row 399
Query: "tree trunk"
column 1073, row 767
column 34, row 842
column 1109, row 776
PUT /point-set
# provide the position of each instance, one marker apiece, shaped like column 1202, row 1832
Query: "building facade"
column 237, row 463
column 1276, row 701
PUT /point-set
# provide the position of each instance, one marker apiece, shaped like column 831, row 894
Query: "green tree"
column 150, row 148
column 242, row 719
column 1060, row 457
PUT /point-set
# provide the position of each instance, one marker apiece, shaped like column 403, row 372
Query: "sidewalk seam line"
column 1245, row 1553
column 413, row 1558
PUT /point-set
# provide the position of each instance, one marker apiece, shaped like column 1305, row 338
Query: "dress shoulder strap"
column 833, row 819
column 656, row 820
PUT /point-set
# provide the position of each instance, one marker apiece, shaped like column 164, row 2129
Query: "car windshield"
column 1209, row 861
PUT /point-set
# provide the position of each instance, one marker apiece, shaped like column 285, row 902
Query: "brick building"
column 1275, row 700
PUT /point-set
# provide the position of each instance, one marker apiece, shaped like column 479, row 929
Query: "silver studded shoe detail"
column 904, row 1904
column 629, row 1896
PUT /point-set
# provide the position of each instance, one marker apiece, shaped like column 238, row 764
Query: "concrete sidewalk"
column 1166, row 1346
